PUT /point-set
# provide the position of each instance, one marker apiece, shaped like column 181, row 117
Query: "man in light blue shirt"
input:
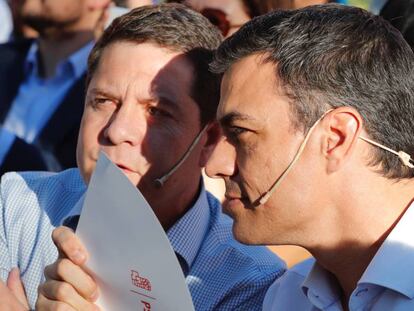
column 150, row 106
column 317, row 118
column 42, row 84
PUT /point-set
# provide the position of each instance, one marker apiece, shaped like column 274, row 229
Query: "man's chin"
column 243, row 235
column 42, row 23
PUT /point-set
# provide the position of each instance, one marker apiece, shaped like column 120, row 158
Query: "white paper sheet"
column 130, row 255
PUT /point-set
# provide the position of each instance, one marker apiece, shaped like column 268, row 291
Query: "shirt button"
column 361, row 292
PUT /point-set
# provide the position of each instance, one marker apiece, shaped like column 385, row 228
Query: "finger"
column 8, row 301
column 14, row 283
column 69, row 245
column 65, row 270
column 64, row 292
column 44, row 304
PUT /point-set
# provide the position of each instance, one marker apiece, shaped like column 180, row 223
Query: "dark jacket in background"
column 55, row 147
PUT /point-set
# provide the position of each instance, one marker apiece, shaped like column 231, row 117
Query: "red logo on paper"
column 139, row 281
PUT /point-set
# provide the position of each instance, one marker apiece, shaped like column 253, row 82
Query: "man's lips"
column 125, row 168
column 233, row 196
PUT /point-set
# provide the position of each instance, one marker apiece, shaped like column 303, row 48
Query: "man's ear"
column 212, row 136
column 343, row 126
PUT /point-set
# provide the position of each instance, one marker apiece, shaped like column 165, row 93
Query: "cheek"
column 90, row 129
column 255, row 170
column 88, row 143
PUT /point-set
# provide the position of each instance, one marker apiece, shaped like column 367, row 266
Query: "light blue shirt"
column 387, row 283
column 38, row 98
column 221, row 273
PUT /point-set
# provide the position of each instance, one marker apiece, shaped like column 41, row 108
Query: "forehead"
column 145, row 68
column 248, row 85
column 252, row 97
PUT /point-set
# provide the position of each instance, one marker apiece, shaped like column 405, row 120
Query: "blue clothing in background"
column 38, row 98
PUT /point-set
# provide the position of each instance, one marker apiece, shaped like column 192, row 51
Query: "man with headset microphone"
column 149, row 106
column 317, row 117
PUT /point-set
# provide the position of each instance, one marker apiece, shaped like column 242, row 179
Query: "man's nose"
column 127, row 125
column 222, row 162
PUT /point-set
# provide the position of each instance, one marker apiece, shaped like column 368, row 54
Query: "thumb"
column 15, row 285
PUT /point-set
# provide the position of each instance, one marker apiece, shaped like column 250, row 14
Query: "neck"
column 352, row 237
column 170, row 206
column 55, row 49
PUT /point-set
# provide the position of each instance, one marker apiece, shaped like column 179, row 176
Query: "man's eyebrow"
column 96, row 91
column 231, row 117
column 166, row 101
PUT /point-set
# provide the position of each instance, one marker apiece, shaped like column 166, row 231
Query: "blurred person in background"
column 6, row 24
column 230, row 15
column 133, row 3
column 42, row 84
column 400, row 13
column 21, row 30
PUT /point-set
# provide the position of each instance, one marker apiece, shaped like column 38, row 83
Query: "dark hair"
column 179, row 29
column 400, row 13
column 331, row 56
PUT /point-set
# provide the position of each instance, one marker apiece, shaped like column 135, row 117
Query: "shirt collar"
column 76, row 210
column 31, row 63
column 392, row 266
column 76, row 61
column 389, row 268
column 187, row 234
column 321, row 287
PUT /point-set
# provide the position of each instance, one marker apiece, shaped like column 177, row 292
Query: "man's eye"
column 156, row 112
column 236, row 131
column 100, row 101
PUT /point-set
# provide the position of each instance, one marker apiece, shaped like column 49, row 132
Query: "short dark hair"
column 330, row 56
column 179, row 29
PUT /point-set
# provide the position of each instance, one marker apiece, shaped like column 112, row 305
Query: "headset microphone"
column 266, row 196
column 159, row 182
column 403, row 156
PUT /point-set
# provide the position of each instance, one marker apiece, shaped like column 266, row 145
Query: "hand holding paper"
column 130, row 257
column 66, row 281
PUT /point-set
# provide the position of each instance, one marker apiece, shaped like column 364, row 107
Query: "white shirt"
column 387, row 283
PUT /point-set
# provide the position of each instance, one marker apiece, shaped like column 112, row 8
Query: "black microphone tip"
column 159, row 183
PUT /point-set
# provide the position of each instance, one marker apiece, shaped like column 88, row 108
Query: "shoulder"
column 234, row 276
column 257, row 261
column 286, row 292
column 69, row 180
column 40, row 192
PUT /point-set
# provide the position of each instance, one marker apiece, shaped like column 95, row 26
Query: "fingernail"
column 94, row 296
column 15, row 270
column 78, row 256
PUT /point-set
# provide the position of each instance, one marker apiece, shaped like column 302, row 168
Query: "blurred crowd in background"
column 228, row 14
